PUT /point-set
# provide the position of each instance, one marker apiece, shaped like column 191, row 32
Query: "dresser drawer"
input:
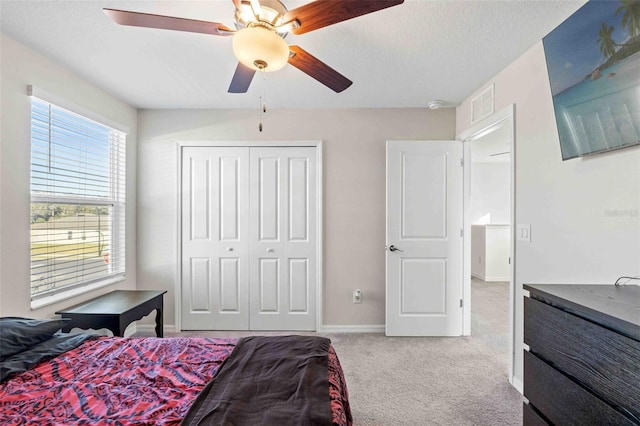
column 563, row 401
column 604, row 362
column 530, row 417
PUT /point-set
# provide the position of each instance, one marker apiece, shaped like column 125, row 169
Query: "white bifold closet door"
column 215, row 238
column 249, row 238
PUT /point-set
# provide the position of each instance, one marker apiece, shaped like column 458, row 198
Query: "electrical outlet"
column 357, row 296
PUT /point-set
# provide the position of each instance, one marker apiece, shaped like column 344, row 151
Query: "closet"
column 249, row 252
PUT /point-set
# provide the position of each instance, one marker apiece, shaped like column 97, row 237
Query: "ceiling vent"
column 482, row 105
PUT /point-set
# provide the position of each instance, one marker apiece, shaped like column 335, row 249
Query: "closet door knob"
column 269, row 250
column 229, row 248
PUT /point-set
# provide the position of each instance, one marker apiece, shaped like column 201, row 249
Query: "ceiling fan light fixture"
column 260, row 48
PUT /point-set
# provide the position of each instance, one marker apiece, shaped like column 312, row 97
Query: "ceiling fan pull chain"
column 264, row 92
column 260, row 117
column 263, row 105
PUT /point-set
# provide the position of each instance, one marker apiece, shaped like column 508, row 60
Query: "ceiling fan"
column 260, row 29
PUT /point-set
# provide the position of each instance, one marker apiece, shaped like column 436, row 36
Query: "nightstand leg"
column 159, row 326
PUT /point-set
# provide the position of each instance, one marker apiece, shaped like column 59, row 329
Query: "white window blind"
column 77, row 200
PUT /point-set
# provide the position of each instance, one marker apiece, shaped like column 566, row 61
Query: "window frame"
column 116, row 201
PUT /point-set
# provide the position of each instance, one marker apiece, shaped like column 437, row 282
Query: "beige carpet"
column 436, row 381
column 432, row 381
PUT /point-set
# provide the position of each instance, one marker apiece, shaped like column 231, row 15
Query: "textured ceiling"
column 403, row 56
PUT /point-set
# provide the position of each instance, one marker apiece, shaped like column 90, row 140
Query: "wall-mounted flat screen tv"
column 593, row 60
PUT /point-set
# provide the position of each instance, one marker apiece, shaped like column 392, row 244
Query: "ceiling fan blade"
column 241, row 79
column 317, row 69
column 137, row 19
column 322, row 13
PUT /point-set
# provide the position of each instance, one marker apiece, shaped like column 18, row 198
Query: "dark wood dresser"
column 583, row 362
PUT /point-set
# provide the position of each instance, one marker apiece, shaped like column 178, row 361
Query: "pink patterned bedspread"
column 121, row 381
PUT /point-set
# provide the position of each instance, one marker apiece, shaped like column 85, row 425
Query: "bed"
column 49, row 378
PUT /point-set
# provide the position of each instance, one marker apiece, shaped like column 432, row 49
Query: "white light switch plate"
column 523, row 233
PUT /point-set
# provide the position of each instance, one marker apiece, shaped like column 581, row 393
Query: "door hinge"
column 461, row 162
column 462, row 232
column 461, row 303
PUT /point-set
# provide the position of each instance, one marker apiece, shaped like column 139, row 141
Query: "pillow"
column 18, row 334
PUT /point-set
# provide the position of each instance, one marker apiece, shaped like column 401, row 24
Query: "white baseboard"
column 490, row 278
column 517, row 383
column 352, row 329
column 151, row 328
column 493, row 278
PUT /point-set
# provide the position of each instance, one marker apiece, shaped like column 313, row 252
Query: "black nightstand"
column 115, row 311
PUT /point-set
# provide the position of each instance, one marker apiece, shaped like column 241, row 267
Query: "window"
column 77, row 200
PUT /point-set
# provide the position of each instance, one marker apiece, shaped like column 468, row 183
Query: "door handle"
column 394, row 248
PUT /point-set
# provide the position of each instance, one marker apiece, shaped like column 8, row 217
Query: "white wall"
column 490, row 193
column 21, row 66
column 354, row 190
column 584, row 213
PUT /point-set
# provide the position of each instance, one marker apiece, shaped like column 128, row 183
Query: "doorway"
column 489, row 221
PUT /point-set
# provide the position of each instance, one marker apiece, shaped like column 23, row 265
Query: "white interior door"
column 424, row 238
column 215, row 238
column 283, row 238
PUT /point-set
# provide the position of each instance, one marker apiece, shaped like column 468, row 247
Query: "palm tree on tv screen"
column 605, row 41
column 631, row 16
